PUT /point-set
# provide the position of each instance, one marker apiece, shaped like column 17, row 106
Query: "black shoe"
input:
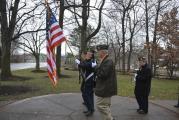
column 89, row 113
column 142, row 112
column 85, row 111
column 138, row 110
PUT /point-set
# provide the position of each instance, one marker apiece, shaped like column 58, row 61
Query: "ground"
column 68, row 106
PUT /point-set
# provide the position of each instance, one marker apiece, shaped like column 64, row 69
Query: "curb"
column 4, row 103
column 166, row 107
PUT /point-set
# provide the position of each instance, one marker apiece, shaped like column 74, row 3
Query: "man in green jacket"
column 106, row 82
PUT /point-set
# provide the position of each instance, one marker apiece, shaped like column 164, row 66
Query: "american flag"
column 54, row 38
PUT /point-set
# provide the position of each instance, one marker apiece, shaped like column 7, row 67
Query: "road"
column 18, row 66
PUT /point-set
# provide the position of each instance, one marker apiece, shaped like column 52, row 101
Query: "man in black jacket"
column 143, row 85
column 106, row 82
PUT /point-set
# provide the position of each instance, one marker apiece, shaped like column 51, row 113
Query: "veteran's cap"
column 141, row 58
column 102, row 47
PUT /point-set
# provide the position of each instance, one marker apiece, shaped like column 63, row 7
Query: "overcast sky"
column 68, row 29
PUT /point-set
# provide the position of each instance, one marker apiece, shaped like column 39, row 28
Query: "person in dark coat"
column 143, row 85
column 82, row 71
column 106, row 82
column 87, row 67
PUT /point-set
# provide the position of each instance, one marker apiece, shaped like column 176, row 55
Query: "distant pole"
column 24, row 50
column 65, row 49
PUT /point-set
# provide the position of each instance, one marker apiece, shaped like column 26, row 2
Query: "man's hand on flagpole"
column 77, row 61
column 94, row 64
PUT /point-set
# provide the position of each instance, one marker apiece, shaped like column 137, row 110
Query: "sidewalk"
column 68, row 106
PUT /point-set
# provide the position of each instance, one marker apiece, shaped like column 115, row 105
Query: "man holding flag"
column 88, row 76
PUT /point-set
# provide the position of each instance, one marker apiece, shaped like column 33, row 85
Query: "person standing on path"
column 87, row 67
column 82, row 71
column 106, row 82
column 143, row 85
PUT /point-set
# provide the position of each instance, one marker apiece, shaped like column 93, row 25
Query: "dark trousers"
column 142, row 101
column 82, row 90
column 88, row 97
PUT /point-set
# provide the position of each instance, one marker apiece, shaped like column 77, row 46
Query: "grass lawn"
column 39, row 84
column 161, row 89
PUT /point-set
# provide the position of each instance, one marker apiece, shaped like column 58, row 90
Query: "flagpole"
column 70, row 49
column 48, row 7
column 46, row 4
column 75, row 58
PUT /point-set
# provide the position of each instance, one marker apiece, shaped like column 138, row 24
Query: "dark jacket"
column 87, row 69
column 143, row 80
column 106, row 81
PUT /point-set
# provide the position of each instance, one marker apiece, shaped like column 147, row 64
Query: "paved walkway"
column 68, row 106
column 19, row 66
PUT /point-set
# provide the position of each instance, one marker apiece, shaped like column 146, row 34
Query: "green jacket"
column 106, row 81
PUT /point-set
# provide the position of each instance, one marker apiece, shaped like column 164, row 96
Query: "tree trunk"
column 119, row 59
column 123, row 43
column 147, row 32
column 6, row 46
column 37, row 61
column 58, row 55
column 7, row 31
column 58, row 60
column 83, row 39
column 0, row 59
column 155, row 39
column 84, row 25
column 130, row 54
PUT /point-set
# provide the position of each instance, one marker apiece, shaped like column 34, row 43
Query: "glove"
column 77, row 61
column 94, row 64
column 135, row 75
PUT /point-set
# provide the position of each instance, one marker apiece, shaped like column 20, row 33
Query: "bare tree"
column 134, row 28
column 123, row 7
column 147, row 30
column 116, row 45
column 33, row 43
column 84, row 8
column 110, row 34
column 75, row 37
column 13, row 19
column 83, row 11
column 7, row 30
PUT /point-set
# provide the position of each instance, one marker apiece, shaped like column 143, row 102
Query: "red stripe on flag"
column 54, row 28
column 58, row 42
column 56, row 35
